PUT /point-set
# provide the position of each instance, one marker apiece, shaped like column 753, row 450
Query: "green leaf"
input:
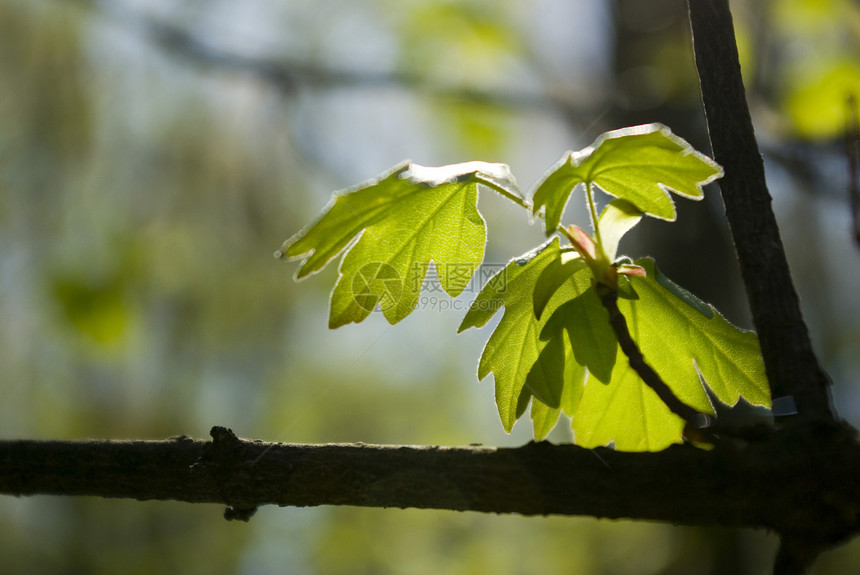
column 683, row 339
column 545, row 379
column 545, row 356
column 625, row 288
column 515, row 353
column 544, row 418
column 553, row 192
column 553, row 276
column 402, row 220
column 591, row 337
column 636, row 164
column 574, row 380
column 625, row 412
column 686, row 344
column 618, row 218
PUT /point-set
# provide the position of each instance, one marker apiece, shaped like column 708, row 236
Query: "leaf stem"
column 518, row 200
column 592, row 209
column 513, row 196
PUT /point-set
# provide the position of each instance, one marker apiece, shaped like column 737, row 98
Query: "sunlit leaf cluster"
column 554, row 347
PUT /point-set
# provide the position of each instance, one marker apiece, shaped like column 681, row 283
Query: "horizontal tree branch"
column 812, row 474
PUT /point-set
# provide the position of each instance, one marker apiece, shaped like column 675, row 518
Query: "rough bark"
column 804, row 481
column 792, row 368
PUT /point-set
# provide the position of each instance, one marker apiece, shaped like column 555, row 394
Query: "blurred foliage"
column 817, row 103
column 823, row 69
column 142, row 195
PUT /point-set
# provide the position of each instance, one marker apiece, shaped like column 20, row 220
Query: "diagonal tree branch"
column 791, row 365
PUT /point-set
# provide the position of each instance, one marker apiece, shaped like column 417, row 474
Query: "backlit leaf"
column 544, row 418
column 515, row 353
column 685, row 346
column 553, row 276
column 553, row 346
column 591, row 337
column 637, row 164
column 679, row 339
column 626, row 413
column 396, row 225
column 618, row 218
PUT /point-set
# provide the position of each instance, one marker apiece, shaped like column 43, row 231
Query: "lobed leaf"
column 626, row 413
column 393, row 227
column 522, row 362
column 683, row 337
column 563, row 355
column 544, row 418
column 553, row 346
column 688, row 343
column 553, row 276
column 637, row 164
column 591, row 337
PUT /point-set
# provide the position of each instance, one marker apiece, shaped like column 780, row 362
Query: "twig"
column 697, row 420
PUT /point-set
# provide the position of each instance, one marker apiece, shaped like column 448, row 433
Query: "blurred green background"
column 153, row 155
